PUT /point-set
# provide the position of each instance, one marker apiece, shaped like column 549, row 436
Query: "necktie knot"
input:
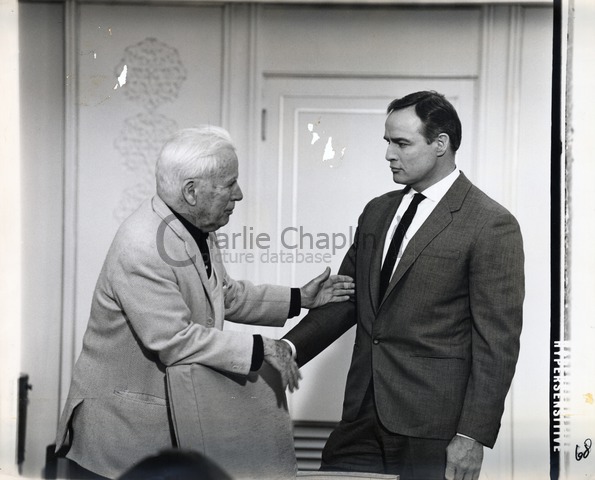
column 417, row 198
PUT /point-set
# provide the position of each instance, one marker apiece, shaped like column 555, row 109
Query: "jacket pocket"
column 440, row 357
column 141, row 397
column 441, row 253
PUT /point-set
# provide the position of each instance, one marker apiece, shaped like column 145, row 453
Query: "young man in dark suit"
column 438, row 307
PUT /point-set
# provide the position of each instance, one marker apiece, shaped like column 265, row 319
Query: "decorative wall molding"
column 361, row 75
column 153, row 73
column 513, row 100
column 498, row 120
column 139, row 143
column 69, row 248
column 485, row 80
column 255, row 92
column 227, row 67
column 498, row 113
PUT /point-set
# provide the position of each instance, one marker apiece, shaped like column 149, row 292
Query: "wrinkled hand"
column 277, row 353
column 327, row 288
column 463, row 459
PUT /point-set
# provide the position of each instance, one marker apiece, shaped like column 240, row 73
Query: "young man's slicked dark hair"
column 436, row 113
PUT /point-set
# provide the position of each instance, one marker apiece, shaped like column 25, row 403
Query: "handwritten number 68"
column 581, row 455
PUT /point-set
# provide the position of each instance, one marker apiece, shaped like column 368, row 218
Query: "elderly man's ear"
column 189, row 189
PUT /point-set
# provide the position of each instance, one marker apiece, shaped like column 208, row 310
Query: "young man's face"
column 412, row 160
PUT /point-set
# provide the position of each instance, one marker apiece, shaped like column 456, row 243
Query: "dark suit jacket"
column 442, row 345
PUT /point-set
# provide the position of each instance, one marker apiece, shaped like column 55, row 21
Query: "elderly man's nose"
column 238, row 194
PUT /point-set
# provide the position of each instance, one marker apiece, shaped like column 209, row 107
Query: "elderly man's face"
column 217, row 195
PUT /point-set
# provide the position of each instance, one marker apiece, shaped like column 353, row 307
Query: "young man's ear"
column 442, row 144
column 189, row 191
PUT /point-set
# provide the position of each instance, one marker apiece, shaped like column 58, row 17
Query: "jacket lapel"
column 438, row 220
column 190, row 246
column 383, row 217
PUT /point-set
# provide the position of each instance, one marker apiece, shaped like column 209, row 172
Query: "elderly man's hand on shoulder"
column 327, row 288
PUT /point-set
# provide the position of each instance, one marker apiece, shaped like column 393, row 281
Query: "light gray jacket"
column 154, row 307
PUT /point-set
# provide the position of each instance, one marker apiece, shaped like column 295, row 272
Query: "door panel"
column 414, row 42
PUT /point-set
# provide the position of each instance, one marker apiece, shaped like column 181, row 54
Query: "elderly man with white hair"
column 161, row 299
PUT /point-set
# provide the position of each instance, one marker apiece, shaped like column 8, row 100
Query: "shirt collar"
column 439, row 189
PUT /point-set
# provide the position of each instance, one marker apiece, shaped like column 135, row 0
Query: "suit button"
column 210, row 321
column 375, row 341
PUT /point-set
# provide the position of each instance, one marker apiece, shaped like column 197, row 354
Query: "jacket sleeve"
column 255, row 304
column 323, row 325
column 496, row 293
column 245, row 302
column 147, row 291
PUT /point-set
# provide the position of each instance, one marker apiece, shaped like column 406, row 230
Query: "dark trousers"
column 364, row 445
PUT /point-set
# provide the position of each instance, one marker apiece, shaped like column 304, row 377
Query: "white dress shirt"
column 433, row 195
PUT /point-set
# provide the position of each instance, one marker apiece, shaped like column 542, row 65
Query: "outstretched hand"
column 277, row 353
column 463, row 459
column 327, row 288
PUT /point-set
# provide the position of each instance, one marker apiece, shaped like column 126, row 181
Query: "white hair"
column 189, row 153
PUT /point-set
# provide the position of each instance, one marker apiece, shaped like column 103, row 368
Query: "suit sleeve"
column 323, row 325
column 496, row 285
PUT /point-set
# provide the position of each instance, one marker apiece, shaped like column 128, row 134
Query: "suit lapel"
column 438, row 220
column 190, row 246
column 382, row 216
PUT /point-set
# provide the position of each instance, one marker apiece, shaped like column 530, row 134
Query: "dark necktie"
column 395, row 244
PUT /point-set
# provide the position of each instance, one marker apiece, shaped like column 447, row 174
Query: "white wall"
column 528, row 399
column 10, row 236
column 42, row 201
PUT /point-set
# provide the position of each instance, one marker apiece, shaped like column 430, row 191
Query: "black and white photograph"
column 270, row 240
